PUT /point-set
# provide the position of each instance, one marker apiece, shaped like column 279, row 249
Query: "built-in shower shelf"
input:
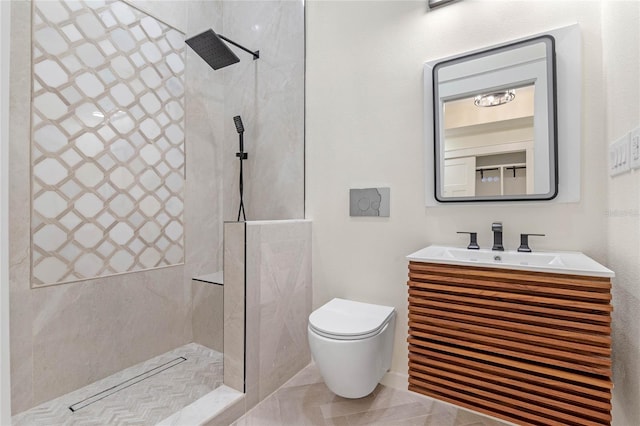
column 213, row 278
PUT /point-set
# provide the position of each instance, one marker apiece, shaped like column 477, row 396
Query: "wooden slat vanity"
column 532, row 348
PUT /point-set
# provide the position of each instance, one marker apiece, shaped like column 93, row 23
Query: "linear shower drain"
column 125, row 384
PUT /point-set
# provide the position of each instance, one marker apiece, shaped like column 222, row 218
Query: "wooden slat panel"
column 543, row 311
column 523, row 408
column 524, row 298
column 514, row 287
column 456, row 338
column 531, row 348
column 596, row 283
column 588, row 342
column 535, row 383
column 514, row 388
column 597, row 330
column 477, row 404
column 598, row 387
column 554, row 356
column 550, row 406
column 521, row 334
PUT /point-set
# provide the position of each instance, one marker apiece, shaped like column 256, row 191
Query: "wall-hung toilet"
column 351, row 344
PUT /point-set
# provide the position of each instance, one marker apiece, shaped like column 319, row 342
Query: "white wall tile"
column 105, row 101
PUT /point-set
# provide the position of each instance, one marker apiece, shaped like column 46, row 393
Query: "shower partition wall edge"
column 5, row 388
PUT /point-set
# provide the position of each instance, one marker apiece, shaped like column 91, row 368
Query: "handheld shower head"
column 242, row 156
column 238, row 122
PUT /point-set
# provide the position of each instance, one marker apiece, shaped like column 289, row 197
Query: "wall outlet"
column 619, row 160
column 634, row 148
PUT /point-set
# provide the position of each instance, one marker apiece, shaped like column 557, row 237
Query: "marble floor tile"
column 143, row 403
column 306, row 400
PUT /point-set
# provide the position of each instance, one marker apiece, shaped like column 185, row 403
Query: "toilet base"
column 353, row 368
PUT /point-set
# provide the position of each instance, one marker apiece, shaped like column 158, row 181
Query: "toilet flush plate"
column 369, row 202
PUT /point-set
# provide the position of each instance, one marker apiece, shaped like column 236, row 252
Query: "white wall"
column 621, row 63
column 5, row 387
column 364, row 110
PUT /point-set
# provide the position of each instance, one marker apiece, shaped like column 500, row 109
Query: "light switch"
column 619, row 156
column 634, row 148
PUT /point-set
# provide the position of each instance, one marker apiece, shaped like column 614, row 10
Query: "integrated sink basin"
column 574, row 263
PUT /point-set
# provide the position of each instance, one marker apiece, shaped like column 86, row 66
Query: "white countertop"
column 560, row 262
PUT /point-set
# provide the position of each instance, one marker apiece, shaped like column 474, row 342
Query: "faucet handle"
column 473, row 240
column 524, row 242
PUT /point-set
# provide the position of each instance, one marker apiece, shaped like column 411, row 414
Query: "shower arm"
column 256, row 54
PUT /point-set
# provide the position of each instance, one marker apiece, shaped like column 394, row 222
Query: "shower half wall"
column 69, row 335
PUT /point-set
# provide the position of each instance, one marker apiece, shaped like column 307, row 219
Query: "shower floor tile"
column 143, row 403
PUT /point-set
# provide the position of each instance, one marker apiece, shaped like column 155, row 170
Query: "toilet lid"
column 346, row 318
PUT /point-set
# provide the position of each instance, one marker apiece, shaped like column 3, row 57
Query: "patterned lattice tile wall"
column 107, row 141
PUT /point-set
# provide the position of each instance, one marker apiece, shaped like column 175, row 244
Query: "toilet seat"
column 342, row 319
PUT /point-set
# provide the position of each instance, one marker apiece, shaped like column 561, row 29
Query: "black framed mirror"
column 495, row 124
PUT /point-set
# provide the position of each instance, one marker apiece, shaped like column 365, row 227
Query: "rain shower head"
column 238, row 122
column 210, row 47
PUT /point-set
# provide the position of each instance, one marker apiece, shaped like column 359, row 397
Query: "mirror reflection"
column 494, row 124
column 489, row 138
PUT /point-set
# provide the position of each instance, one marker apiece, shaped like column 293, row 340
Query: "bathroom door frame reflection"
column 549, row 113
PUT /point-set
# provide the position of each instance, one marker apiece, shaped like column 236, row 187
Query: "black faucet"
column 496, row 227
column 473, row 240
column 524, row 242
